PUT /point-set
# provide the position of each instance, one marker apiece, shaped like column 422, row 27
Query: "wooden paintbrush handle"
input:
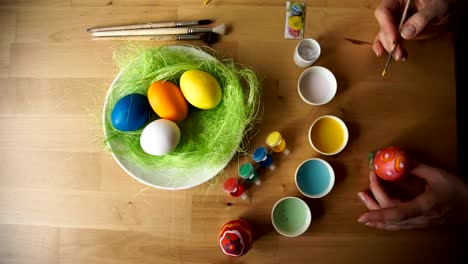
column 136, row 26
column 151, row 38
column 140, row 38
column 155, row 31
column 141, row 32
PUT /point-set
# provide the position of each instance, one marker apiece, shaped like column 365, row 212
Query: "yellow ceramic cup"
column 328, row 135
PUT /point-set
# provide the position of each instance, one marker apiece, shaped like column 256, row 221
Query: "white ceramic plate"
column 166, row 178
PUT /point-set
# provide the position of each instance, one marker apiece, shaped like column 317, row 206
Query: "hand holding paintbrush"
column 390, row 55
column 426, row 18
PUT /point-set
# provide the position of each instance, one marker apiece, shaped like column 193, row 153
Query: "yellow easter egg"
column 295, row 22
column 200, row 89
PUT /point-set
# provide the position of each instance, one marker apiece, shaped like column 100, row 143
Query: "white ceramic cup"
column 306, row 53
column 317, row 85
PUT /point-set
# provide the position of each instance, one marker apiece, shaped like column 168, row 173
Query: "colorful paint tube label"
column 295, row 20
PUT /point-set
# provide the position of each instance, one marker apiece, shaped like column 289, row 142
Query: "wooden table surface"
column 63, row 199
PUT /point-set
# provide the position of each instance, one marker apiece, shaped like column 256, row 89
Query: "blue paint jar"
column 263, row 158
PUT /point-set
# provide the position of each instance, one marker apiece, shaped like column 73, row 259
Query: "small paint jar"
column 263, row 158
column 248, row 172
column 234, row 188
column 277, row 143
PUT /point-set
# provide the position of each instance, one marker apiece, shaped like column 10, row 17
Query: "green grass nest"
column 208, row 137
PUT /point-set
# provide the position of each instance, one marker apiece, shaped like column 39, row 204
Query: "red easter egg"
column 235, row 237
column 390, row 163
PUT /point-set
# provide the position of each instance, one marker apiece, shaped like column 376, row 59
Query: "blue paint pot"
column 315, row 178
column 262, row 157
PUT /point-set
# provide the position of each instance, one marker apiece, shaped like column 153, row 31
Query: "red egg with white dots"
column 390, row 163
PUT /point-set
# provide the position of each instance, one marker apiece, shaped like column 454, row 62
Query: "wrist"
column 460, row 214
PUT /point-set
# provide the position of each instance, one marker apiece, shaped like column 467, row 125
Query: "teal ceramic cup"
column 291, row 216
column 315, row 178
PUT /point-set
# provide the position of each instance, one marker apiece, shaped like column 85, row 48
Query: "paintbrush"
column 221, row 29
column 208, row 38
column 168, row 24
column 390, row 55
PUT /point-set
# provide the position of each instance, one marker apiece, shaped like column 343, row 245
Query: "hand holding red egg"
column 390, row 163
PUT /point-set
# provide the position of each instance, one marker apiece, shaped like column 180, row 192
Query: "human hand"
column 427, row 18
column 444, row 200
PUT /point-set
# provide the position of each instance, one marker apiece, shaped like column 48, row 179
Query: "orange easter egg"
column 167, row 101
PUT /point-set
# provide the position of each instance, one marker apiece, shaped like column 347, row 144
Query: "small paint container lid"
column 260, row 154
column 246, row 171
column 317, row 85
column 274, row 139
column 230, row 185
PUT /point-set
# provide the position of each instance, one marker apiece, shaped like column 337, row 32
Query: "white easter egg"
column 160, row 137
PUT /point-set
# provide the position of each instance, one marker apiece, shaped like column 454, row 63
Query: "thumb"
column 398, row 213
column 415, row 24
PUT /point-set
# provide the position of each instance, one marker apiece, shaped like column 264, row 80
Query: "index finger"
column 384, row 14
column 425, row 172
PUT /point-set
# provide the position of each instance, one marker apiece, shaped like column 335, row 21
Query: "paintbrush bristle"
column 383, row 72
column 221, row 29
column 209, row 38
column 204, row 22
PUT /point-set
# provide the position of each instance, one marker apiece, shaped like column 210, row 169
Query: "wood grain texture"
column 64, row 199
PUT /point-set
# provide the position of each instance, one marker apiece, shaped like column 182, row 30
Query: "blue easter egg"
column 131, row 112
column 296, row 9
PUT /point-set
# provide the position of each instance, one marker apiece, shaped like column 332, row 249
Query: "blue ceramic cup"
column 315, row 178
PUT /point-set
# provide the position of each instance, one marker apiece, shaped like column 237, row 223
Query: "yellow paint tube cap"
column 274, row 139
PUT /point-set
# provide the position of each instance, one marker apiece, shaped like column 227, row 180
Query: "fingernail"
column 397, row 57
column 408, row 31
column 369, row 224
column 403, row 59
column 361, row 196
column 362, row 219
